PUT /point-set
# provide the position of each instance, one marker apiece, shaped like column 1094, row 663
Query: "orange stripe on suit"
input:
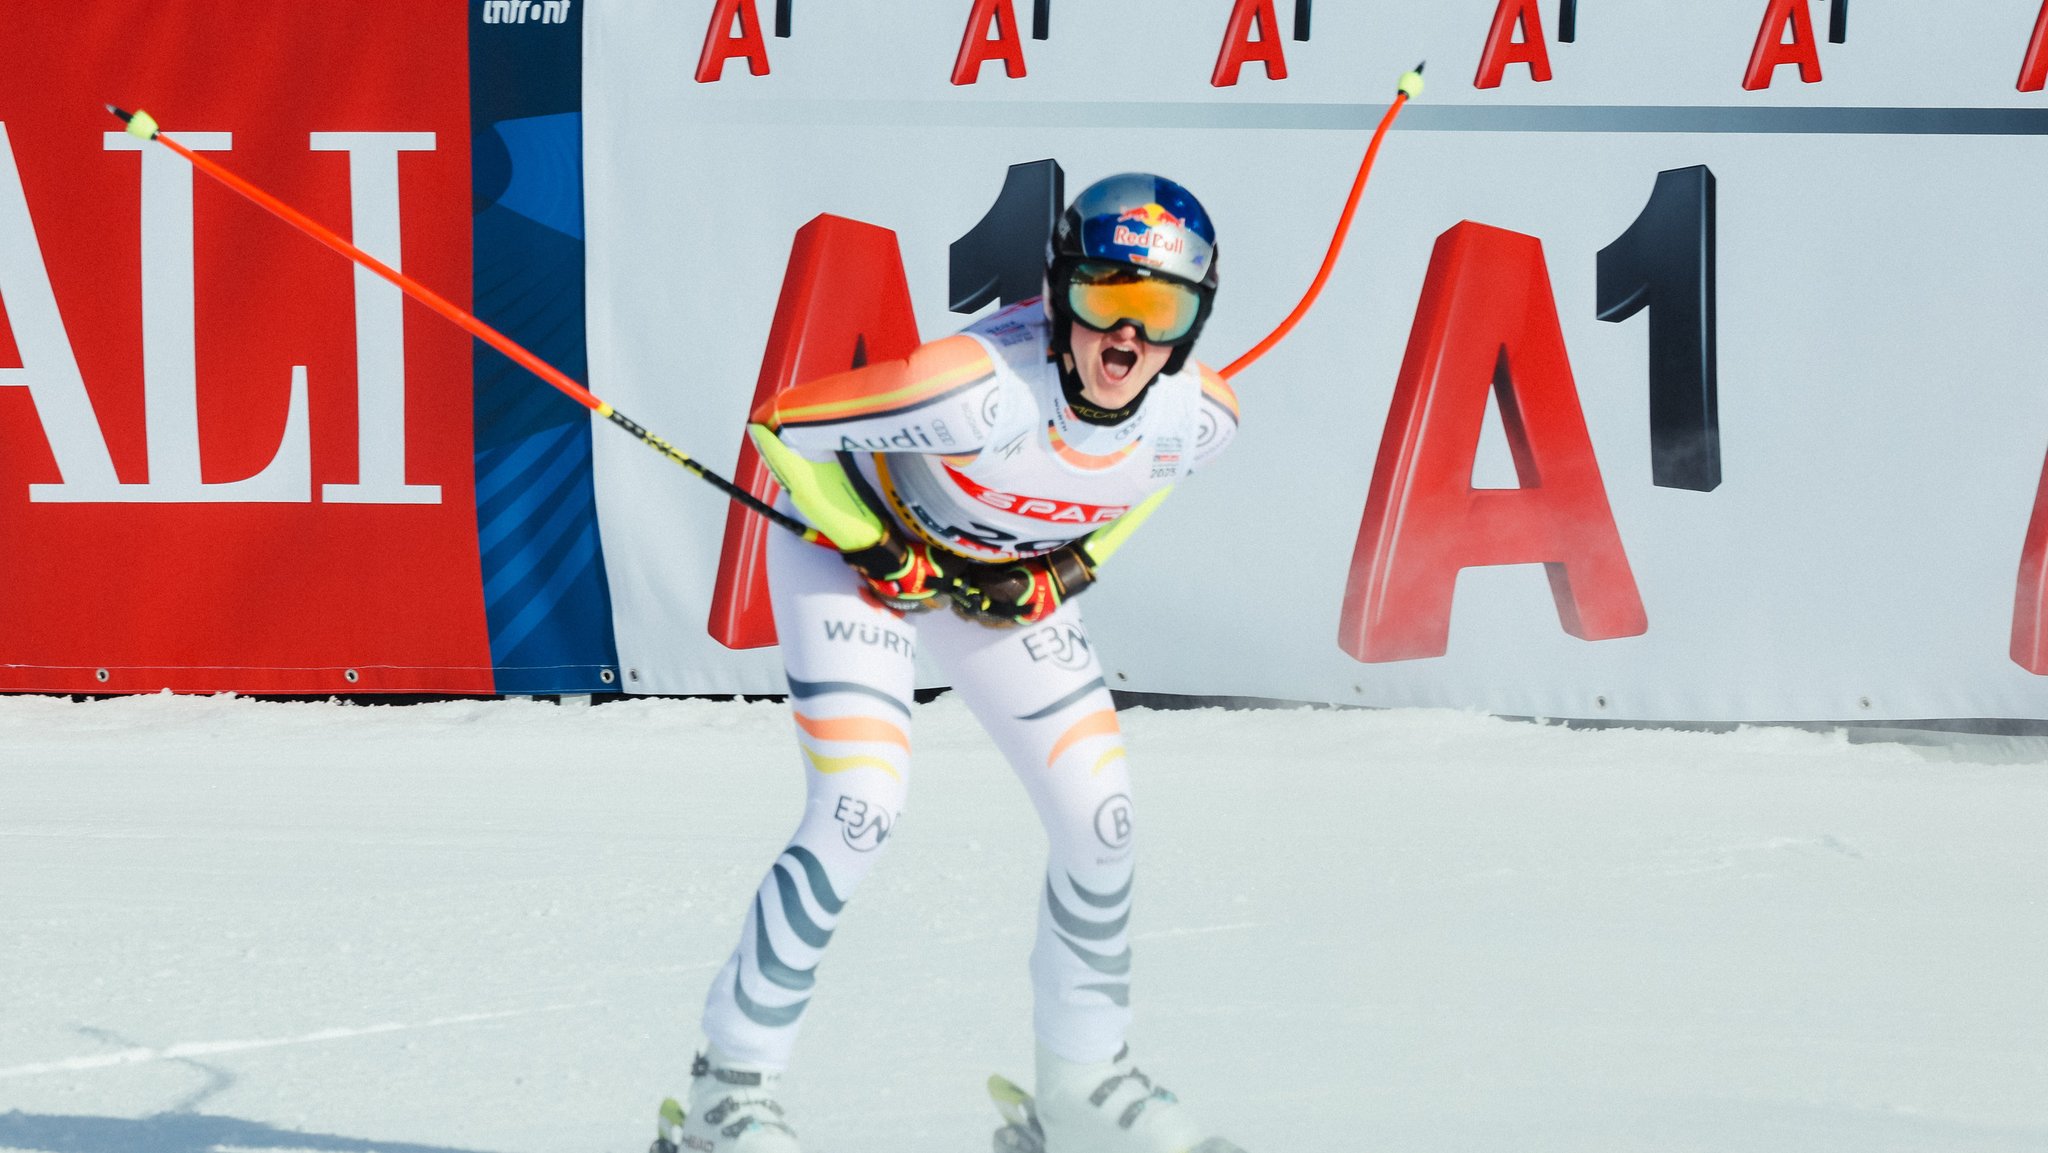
column 1095, row 724
column 854, row 729
column 1216, row 388
column 928, row 373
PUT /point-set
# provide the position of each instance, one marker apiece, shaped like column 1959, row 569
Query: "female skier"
column 991, row 472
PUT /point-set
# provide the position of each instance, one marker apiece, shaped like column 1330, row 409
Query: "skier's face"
column 1115, row 366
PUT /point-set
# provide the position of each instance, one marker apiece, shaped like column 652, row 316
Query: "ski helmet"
column 1133, row 248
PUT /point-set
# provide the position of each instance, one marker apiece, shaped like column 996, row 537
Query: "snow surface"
column 487, row 926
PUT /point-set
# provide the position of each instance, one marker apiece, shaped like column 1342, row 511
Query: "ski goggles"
column 1104, row 294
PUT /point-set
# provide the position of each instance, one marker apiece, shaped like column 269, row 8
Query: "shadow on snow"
column 179, row 1133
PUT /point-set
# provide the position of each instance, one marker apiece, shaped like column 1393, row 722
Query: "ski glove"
column 901, row 575
column 1021, row 592
column 1030, row 589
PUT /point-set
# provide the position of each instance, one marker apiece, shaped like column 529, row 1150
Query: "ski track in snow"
column 192, row 1049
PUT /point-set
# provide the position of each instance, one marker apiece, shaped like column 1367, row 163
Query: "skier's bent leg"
column 850, row 668
column 1040, row 694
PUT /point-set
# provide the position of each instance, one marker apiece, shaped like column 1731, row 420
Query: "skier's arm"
column 1219, row 417
column 927, row 402
column 896, row 405
column 901, row 573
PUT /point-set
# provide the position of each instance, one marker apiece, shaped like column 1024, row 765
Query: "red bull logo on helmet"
column 1151, row 238
column 1154, row 216
column 1127, row 218
column 1150, row 219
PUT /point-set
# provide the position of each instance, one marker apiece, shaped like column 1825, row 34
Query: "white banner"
column 1834, row 529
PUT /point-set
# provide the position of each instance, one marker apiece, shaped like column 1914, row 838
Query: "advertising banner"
column 228, row 459
column 1685, row 362
column 1682, row 364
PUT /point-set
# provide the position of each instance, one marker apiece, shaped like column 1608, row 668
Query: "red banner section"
column 228, row 460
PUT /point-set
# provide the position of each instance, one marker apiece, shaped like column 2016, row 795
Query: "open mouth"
column 1117, row 363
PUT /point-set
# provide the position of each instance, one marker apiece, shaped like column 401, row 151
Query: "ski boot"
column 1096, row 1107
column 732, row 1109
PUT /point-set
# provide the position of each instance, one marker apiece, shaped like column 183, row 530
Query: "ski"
column 668, row 1128
column 1020, row 1132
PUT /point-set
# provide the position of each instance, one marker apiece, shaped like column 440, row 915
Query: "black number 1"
column 1665, row 263
column 1003, row 257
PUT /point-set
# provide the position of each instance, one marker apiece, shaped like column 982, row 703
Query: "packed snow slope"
column 487, row 927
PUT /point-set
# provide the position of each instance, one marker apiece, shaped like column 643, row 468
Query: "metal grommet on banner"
column 100, row 675
column 350, row 676
column 607, row 676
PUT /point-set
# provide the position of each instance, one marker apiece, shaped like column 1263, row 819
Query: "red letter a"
column 1240, row 49
column 1772, row 50
column 2034, row 71
column 1502, row 49
column 1487, row 320
column 719, row 47
column 845, row 301
column 976, row 48
column 10, row 354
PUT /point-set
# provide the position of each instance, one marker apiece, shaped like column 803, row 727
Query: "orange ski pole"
column 1411, row 86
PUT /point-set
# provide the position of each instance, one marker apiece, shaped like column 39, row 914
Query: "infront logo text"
column 519, row 11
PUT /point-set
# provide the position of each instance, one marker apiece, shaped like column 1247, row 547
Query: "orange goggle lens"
column 1164, row 310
